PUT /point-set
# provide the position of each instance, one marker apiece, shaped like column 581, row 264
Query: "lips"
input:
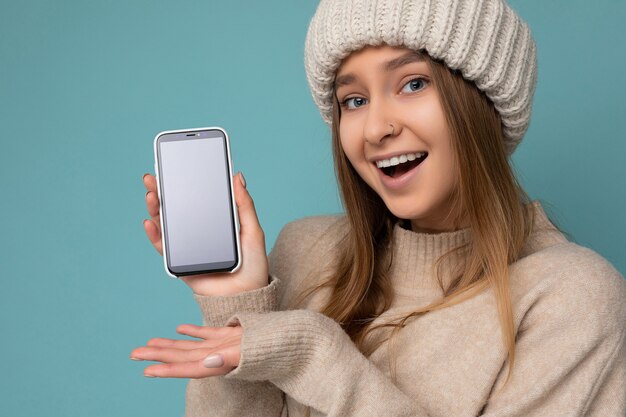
column 398, row 170
column 401, row 175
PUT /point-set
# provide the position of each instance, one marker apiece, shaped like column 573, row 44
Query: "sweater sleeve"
column 571, row 360
column 309, row 357
column 217, row 309
column 221, row 397
column 570, row 351
column 218, row 396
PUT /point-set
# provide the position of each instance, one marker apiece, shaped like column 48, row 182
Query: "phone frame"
column 234, row 210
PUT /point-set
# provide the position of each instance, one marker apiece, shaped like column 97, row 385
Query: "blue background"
column 85, row 86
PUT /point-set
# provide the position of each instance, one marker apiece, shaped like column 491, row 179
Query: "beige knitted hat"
column 484, row 39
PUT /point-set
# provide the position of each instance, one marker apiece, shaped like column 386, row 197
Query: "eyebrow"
column 410, row 57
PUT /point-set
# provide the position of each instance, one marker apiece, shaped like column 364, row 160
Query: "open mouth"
column 403, row 167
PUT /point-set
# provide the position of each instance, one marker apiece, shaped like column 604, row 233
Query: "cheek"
column 353, row 149
column 350, row 145
column 446, row 171
column 430, row 119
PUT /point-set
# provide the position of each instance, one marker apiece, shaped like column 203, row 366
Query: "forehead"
column 379, row 58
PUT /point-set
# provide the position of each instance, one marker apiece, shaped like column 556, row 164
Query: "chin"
column 404, row 211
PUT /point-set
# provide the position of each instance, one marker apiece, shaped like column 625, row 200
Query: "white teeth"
column 396, row 160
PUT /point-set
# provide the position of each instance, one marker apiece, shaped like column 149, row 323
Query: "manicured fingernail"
column 144, row 176
column 136, row 359
column 243, row 180
column 213, row 361
column 149, row 376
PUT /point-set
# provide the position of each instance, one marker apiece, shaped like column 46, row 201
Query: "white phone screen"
column 198, row 220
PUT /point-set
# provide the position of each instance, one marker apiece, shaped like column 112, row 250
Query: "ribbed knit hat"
column 484, row 39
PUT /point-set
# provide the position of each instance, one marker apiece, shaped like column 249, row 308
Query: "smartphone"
column 199, row 221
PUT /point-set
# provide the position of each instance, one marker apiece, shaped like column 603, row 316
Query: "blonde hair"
column 486, row 190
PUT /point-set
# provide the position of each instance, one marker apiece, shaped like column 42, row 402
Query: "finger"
column 149, row 181
column 168, row 354
column 177, row 344
column 227, row 357
column 152, row 204
column 206, row 332
column 154, row 235
column 184, row 370
column 219, row 362
column 184, row 345
column 248, row 219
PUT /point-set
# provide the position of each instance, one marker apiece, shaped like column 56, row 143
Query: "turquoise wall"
column 85, row 86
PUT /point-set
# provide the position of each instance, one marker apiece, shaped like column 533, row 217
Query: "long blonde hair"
column 487, row 192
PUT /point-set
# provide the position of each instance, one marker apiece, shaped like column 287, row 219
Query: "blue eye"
column 415, row 82
column 357, row 100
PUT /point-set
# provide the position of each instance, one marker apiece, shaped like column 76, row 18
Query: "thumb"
column 248, row 219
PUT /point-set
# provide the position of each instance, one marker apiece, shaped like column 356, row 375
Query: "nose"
column 378, row 123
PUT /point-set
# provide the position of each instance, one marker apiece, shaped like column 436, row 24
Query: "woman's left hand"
column 217, row 354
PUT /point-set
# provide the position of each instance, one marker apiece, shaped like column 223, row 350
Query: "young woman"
column 443, row 290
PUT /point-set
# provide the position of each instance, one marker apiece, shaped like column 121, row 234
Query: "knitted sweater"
column 569, row 309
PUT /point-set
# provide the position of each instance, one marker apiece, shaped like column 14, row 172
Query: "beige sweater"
column 569, row 306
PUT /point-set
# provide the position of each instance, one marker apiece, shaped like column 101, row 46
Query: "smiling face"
column 378, row 87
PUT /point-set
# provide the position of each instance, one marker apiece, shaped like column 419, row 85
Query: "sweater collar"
column 415, row 253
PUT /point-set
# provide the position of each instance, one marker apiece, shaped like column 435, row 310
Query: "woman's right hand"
column 254, row 270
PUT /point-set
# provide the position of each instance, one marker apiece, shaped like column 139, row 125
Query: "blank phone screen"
column 198, row 222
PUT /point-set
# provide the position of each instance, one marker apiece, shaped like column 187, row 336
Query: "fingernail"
column 213, row 361
column 243, row 180
column 149, row 376
column 136, row 359
column 144, row 176
column 147, row 192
